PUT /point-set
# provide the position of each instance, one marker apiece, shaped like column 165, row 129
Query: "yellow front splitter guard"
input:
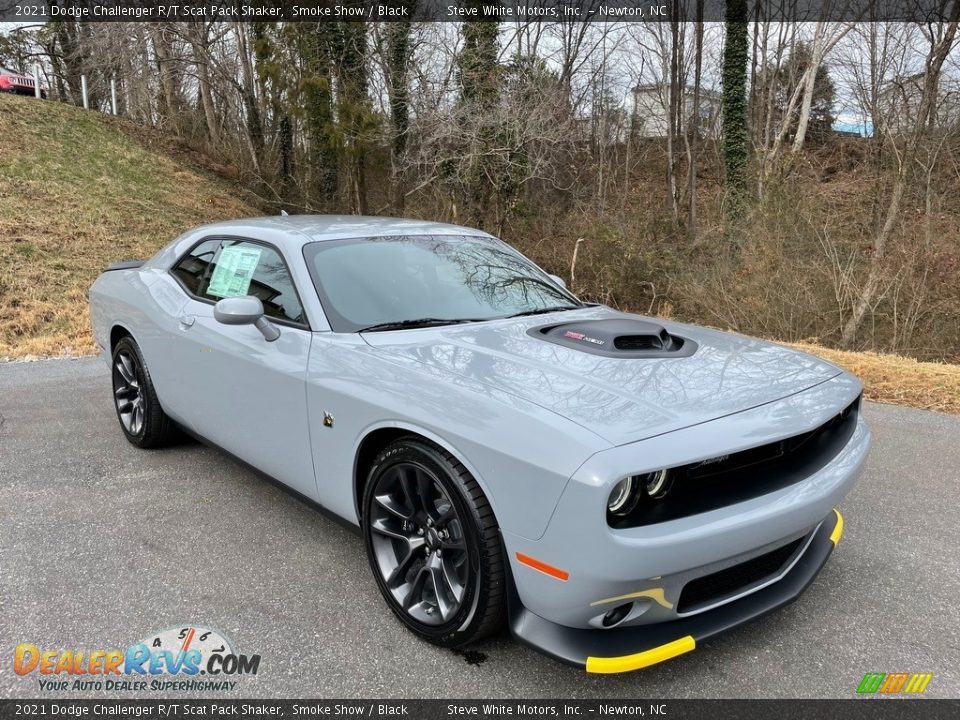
column 626, row 663
column 837, row 529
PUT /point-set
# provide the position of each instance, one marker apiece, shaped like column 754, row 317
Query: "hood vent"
column 661, row 341
column 617, row 338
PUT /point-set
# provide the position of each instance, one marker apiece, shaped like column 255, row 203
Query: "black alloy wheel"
column 126, row 392
column 138, row 409
column 433, row 544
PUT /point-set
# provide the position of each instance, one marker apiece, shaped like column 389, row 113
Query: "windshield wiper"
column 417, row 323
column 541, row 311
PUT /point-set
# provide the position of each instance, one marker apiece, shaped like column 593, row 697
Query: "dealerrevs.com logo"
column 187, row 658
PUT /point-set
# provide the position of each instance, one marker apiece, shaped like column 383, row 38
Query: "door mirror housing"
column 559, row 281
column 246, row 310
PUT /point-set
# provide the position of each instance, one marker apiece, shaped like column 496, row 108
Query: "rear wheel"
column 433, row 544
column 141, row 418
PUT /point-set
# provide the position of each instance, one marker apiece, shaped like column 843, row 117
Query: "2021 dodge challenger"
column 615, row 488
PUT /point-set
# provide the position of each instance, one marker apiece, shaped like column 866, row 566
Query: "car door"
column 235, row 389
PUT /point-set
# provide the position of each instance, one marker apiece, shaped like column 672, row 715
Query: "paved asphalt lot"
column 101, row 544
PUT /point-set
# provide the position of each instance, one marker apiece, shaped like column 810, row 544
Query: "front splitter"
column 631, row 648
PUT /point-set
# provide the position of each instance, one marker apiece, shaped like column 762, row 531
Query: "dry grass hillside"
column 898, row 380
column 79, row 190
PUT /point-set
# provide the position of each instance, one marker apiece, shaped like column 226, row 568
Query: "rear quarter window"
column 193, row 269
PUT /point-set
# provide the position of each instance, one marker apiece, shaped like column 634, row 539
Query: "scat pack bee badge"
column 188, row 658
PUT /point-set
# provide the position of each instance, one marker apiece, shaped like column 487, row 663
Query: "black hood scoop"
column 617, row 338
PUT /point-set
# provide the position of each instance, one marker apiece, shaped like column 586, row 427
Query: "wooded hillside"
column 796, row 181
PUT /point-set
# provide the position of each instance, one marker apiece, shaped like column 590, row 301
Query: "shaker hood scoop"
column 616, row 338
column 664, row 377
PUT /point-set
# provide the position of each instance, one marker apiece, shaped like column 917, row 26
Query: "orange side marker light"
column 543, row 567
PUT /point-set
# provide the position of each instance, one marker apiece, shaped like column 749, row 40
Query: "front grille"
column 732, row 580
column 729, row 479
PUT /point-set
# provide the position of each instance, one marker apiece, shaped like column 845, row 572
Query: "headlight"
column 656, row 483
column 627, row 493
column 624, row 496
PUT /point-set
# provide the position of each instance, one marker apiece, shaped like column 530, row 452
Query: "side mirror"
column 246, row 310
column 559, row 281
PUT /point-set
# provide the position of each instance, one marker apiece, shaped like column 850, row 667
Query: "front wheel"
column 433, row 544
column 141, row 418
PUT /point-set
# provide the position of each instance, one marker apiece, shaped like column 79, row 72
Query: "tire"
column 139, row 412
column 406, row 538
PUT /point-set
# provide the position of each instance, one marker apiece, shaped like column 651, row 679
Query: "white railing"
column 83, row 89
column 86, row 97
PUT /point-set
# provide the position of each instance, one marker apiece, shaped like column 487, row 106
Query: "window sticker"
column 234, row 271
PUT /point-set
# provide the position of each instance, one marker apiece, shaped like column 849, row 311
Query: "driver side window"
column 246, row 268
column 221, row 268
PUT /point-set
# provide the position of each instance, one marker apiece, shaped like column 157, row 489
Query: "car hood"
column 620, row 399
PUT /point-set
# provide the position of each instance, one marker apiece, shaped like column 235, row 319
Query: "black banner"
column 460, row 10
column 860, row 709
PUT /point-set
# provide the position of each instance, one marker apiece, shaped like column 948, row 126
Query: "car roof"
column 298, row 230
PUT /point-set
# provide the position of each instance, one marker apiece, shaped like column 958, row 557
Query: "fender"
column 429, row 435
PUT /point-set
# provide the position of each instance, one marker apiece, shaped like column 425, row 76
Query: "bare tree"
column 940, row 37
column 693, row 131
column 198, row 36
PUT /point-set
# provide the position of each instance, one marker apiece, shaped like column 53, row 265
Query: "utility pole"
column 113, row 95
column 83, row 91
column 36, row 79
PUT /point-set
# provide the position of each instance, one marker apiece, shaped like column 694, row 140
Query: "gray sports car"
column 615, row 488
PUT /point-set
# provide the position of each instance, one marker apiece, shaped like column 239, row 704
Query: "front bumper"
column 603, row 566
column 633, row 647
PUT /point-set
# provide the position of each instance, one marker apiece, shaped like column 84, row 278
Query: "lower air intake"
column 717, row 586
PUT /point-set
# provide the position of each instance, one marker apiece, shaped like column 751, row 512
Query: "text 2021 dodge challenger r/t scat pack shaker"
column 616, row 488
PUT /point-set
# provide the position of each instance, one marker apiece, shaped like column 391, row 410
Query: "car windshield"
column 415, row 280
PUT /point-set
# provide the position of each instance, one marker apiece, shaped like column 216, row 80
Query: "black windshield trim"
column 419, row 323
column 544, row 311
